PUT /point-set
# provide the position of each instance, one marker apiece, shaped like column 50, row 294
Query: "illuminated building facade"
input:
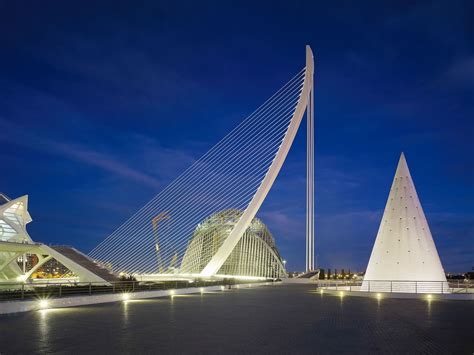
column 14, row 217
column 254, row 255
column 21, row 259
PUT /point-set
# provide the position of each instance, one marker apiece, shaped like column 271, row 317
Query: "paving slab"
column 270, row 319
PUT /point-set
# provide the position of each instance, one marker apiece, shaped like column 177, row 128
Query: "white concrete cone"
column 404, row 257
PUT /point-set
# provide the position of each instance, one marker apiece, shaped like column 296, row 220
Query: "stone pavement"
column 270, row 319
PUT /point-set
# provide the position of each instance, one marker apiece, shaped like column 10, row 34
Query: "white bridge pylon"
column 221, row 256
column 236, row 174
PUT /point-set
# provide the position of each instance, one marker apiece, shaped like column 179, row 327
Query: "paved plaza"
column 270, row 319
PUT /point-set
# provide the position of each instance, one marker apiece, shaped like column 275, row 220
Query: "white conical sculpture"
column 404, row 257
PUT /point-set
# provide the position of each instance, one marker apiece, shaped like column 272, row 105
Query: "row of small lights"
column 44, row 304
column 126, row 296
column 378, row 295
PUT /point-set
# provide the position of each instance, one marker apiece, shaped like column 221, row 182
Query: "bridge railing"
column 51, row 289
column 453, row 286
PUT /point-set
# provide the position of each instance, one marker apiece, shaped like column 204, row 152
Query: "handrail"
column 399, row 286
column 23, row 291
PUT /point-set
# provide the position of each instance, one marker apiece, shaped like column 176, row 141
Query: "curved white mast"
column 236, row 234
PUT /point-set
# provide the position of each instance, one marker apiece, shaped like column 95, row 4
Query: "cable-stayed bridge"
column 203, row 223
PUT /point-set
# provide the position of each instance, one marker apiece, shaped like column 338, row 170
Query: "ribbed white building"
column 14, row 217
column 254, row 255
column 16, row 246
column 404, row 257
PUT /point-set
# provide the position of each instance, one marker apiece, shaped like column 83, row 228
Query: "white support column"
column 310, row 182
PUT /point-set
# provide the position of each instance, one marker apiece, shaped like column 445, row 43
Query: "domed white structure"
column 404, row 257
column 254, row 255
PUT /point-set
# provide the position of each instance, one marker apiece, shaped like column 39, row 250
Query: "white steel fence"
column 457, row 286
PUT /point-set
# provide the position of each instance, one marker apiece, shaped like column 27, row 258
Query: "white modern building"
column 14, row 217
column 255, row 254
column 404, row 257
column 16, row 247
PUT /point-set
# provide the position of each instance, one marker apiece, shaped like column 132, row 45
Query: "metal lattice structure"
column 14, row 217
column 16, row 244
column 236, row 174
column 254, row 255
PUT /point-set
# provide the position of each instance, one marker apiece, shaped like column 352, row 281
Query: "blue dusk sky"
column 103, row 103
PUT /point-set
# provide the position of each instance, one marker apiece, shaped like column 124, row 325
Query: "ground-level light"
column 43, row 304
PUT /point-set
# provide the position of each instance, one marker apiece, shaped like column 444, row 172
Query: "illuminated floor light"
column 172, row 292
column 43, row 304
column 429, row 297
column 222, row 288
column 379, row 295
column 202, row 290
column 341, row 294
column 125, row 297
column 321, row 291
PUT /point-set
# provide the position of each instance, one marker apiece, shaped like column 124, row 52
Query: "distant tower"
column 404, row 249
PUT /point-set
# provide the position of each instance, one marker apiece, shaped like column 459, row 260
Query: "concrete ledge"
column 380, row 295
column 73, row 301
column 295, row 280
